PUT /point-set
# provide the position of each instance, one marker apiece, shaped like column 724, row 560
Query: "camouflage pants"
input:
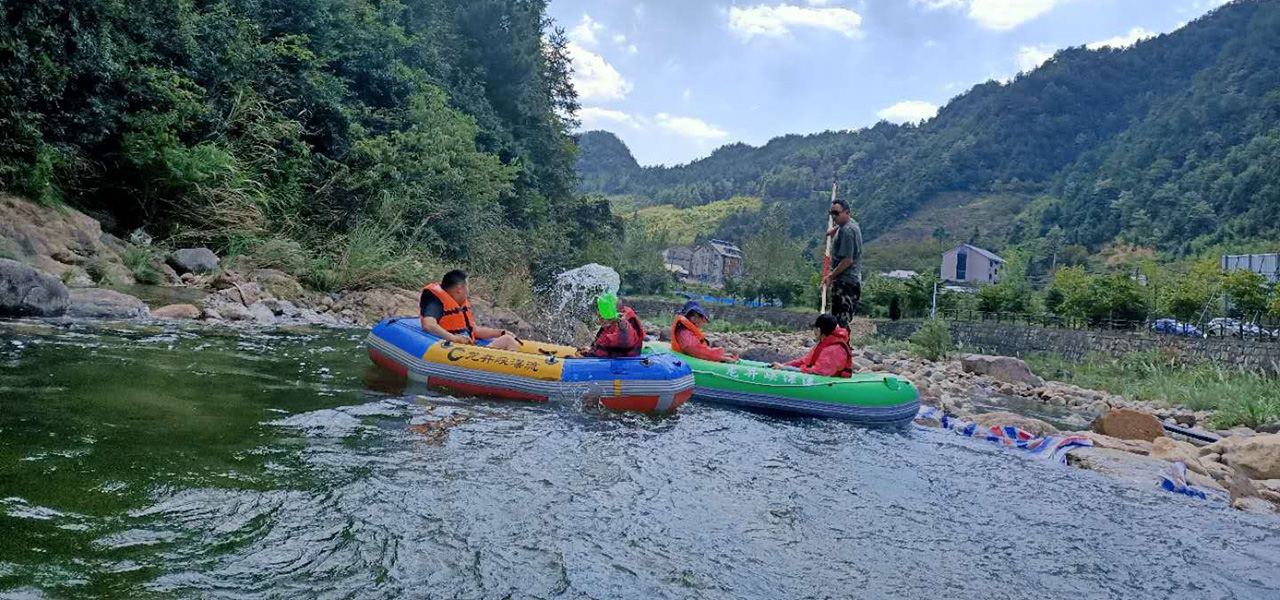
column 844, row 300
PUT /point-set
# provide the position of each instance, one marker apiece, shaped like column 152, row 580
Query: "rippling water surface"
column 187, row 462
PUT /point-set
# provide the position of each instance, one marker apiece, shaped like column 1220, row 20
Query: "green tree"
column 1247, row 291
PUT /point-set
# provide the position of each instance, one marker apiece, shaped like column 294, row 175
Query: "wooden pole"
column 826, row 262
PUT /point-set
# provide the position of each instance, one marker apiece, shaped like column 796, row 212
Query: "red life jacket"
column 609, row 345
column 839, row 337
column 457, row 317
column 683, row 321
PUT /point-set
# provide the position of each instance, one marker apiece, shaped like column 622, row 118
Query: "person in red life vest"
column 831, row 357
column 621, row 334
column 445, row 312
column 687, row 337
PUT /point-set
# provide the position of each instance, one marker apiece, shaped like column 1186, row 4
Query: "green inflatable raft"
column 867, row 398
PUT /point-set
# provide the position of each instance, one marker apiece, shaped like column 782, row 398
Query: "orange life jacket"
column 457, row 317
column 683, row 321
column 839, row 337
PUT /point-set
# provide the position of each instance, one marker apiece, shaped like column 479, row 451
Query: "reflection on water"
column 179, row 461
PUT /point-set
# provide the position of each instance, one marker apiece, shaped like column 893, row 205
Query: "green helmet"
column 607, row 305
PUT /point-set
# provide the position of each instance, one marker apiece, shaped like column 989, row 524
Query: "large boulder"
column 1003, row 368
column 177, row 311
column 1004, row 419
column 278, row 284
column 1128, row 424
column 97, row 303
column 1169, row 449
column 1257, row 457
column 194, row 260
column 26, row 292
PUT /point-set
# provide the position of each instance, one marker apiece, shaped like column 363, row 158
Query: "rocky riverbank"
column 59, row 263
column 1130, row 441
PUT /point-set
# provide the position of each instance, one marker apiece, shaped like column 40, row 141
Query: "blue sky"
column 676, row 79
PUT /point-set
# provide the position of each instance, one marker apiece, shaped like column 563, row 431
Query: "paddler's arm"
column 431, row 326
column 488, row 333
column 844, row 265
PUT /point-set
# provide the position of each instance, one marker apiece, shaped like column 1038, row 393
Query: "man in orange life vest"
column 831, row 356
column 687, row 337
column 446, row 313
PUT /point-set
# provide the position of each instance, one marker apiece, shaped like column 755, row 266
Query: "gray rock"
column 194, row 260
column 139, row 238
column 234, row 312
column 262, row 313
column 1265, row 428
column 26, row 292
column 1004, row 368
column 765, row 355
column 98, row 303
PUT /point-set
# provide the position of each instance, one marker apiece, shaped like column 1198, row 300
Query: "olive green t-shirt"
column 848, row 244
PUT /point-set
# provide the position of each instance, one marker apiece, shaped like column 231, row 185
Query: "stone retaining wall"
column 1021, row 340
column 652, row 309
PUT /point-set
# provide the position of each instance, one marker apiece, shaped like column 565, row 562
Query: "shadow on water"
column 181, row 461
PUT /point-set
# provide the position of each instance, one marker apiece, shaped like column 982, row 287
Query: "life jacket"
column 839, row 337
column 630, row 316
column 609, row 342
column 683, row 321
column 457, row 317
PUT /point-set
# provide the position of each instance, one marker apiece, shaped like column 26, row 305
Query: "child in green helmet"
column 621, row 335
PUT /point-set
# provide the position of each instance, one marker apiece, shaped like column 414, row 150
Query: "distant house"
column 716, row 262
column 1266, row 265
column 901, row 275
column 680, row 257
column 969, row 263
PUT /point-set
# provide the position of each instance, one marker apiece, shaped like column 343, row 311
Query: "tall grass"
column 368, row 257
column 141, row 263
column 1239, row 397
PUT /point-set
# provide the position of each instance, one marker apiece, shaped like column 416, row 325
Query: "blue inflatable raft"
column 537, row 372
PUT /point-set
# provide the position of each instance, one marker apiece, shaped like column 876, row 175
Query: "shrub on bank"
column 932, row 341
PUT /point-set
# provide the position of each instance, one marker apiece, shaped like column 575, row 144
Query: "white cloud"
column 937, row 4
column 777, row 21
column 994, row 14
column 1135, row 35
column 690, row 127
column 619, row 39
column 909, row 111
column 817, row 2
column 594, row 117
column 585, row 32
column 1031, row 57
column 1007, row 14
column 632, row 49
column 687, row 94
column 594, row 78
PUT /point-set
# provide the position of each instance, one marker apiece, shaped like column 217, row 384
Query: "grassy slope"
column 683, row 225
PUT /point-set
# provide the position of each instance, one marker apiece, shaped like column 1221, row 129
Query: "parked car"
column 1231, row 327
column 1176, row 327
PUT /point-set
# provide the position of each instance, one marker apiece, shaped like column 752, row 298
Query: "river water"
column 178, row 461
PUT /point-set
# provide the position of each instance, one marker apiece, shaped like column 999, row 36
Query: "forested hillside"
column 345, row 134
column 1172, row 144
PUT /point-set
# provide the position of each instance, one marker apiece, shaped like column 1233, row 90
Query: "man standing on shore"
column 845, row 280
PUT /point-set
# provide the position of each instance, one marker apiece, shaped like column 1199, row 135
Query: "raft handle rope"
column 783, row 385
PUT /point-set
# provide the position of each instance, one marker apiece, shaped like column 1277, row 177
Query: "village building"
column 967, row 263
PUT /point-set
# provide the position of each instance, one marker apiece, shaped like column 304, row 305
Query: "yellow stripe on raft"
column 477, row 358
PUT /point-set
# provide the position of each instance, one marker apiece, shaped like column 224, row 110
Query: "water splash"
column 570, row 301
